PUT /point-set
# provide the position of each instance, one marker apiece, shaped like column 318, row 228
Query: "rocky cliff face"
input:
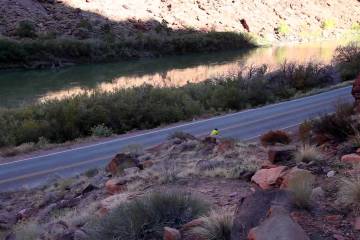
column 271, row 19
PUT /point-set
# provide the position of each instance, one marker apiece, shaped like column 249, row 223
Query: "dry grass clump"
column 349, row 193
column 145, row 218
column 274, row 137
column 301, row 186
column 308, row 153
column 27, row 231
column 216, row 226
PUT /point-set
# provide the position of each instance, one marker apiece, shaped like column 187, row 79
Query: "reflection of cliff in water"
column 170, row 71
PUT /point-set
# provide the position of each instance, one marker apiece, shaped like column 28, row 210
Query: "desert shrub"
column 28, row 231
column 146, row 218
column 216, row 226
column 307, row 76
column 347, row 60
column 274, row 137
column 25, row 29
column 283, row 28
column 328, row 24
column 308, row 153
column 304, row 130
column 337, row 126
column 101, row 131
column 301, row 186
column 349, row 192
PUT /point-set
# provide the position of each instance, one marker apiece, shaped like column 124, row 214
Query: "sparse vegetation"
column 308, row 153
column 274, row 137
column 301, row 186
column 283, row 28
column 27, row 231
column 349, row 193
column 145, row 218
column 328, row 24
column 216, row 226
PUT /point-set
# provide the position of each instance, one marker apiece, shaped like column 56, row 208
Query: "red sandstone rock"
column 267, row 178
column 171, row 234
column 351, row 158
column 115, row 186
column 120, row 162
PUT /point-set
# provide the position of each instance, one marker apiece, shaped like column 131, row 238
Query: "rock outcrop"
column 122, row 161
column 252, row 210
column 278, row 226
column 268, row 178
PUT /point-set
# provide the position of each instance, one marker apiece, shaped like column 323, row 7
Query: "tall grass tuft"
column 216, row 226
column 308, row 153
column 301, row 186
column 145, row 218
column 349, row 193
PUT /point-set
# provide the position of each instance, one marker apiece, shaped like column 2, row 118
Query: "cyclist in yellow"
column 215, row 132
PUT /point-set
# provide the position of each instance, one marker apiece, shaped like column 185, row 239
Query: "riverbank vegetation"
column 47, row 51
column 147, row 107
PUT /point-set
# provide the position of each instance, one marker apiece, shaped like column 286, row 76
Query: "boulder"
column 171, row 234
column 278, row 226
column 293, row 173
column 116, row 185
column 351, row 159
column 268, row 178
column 253, row 209
column 281, row 154
column 122, row 161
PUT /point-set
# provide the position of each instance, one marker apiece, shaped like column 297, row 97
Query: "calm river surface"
column 23, row 87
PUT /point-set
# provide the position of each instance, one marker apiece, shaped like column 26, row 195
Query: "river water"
column 28, row 86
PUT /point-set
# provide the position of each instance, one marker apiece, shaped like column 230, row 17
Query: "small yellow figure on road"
column 214, row 132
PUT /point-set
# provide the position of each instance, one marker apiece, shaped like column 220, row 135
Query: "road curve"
column 245, row 125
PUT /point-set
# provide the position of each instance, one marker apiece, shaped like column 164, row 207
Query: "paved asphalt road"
column 245, row 125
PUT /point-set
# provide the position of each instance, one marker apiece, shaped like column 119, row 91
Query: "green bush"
column 347, row 60
column 101, row 131
column 146, row 218
column 29, row 51
column 147, row 107
column 25, row 29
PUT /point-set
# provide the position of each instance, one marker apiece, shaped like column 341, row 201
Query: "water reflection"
column 23, row 87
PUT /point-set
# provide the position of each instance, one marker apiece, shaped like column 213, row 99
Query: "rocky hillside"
column 272, row 20
column 281, row 190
